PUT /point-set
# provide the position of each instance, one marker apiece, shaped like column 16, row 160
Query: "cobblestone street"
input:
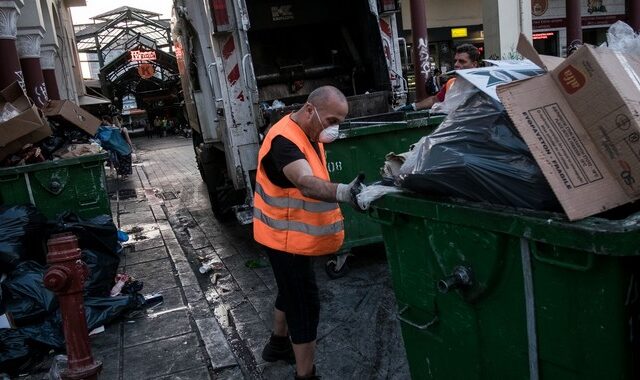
column 214, row 325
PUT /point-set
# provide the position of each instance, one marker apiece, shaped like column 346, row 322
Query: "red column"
column 51, row 83
column 420, row 47
column 633, row 15
column 574, row 21
column 47, row 61
column 65, row 276
column 10, row 70
column 29, row 52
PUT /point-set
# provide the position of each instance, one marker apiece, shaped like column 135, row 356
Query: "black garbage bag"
column 103, row 310
column 98, row 311
column 98, row 240
column 21, row 231
column 15, row 351
column 25, row 296
column 477, row 154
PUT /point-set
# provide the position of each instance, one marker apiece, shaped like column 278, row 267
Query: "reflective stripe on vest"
column 287, row 202
column 289, row 225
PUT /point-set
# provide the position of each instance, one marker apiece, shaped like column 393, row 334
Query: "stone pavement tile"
column 244, row 316
column 160, row 358
column 152, row 254
column 266, row 275
column 256, row 340
column 215, row 343
column 196, row 301
column 233, row 373
column 263, row 302
column 139, row 217
column 110, row 363
column 156, row 275
column 192, row 374
column 172, row 299
column 109, row 340
column 246, row 278
column 144, row 244
column 277, row 370
column 162, row 326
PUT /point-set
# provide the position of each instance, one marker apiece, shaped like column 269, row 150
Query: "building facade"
column 451, row 23
column 39, row 50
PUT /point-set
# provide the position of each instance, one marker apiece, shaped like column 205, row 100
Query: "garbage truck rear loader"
column 246, row 63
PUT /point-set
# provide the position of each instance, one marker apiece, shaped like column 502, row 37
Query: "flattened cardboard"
column 27, row 127
column 569, row 119
column 70, row 112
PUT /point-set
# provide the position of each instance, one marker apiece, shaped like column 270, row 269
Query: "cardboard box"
column 27, row 127
column 71, row 113
column 581, row 121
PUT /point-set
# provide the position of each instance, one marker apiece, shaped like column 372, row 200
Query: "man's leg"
column 280, row 323
column 305, row 354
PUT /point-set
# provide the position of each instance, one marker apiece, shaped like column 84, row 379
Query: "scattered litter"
column 122, row 236
column 209, row 266
column 97, row 330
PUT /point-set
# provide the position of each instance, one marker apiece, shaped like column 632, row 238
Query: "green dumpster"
column 490, row 292
column 361, row 147
column 75, row 184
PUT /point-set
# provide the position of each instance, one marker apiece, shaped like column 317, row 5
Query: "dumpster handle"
column 529, row 303
column 582, row 268
column 425, row 326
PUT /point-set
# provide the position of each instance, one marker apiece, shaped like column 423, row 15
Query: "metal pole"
column 420, row 47
column 574, row 21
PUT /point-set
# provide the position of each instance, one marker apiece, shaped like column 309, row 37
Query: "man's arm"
column 300, row 174
column 426, row 103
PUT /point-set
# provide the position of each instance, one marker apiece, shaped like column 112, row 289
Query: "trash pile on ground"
column 30, row 135
column 538, row 133
column 30, row 319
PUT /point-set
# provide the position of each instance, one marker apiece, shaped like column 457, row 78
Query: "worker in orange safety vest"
column 296, row 217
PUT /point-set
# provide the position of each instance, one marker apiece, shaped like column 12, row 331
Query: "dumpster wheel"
column 337, row 266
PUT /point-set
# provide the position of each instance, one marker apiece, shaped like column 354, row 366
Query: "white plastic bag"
column 622, row 38
column 373, row 192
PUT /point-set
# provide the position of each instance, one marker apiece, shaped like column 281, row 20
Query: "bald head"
column 325, row 96
column 325, row 106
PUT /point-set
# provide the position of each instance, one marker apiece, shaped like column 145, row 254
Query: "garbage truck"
column 245, row 63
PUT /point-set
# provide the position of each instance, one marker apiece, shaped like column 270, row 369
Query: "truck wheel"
column 222, row 195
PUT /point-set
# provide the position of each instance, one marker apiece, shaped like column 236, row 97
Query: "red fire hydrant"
column 65, row 277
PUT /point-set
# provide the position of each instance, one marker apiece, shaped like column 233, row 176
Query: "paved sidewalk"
column 214, row 326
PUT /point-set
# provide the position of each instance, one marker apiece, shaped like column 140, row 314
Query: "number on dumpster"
column 334, row 166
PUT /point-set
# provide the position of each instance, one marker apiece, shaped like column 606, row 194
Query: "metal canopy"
column 113, row 29
column 121, row 31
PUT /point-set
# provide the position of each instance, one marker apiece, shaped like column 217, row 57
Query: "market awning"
column 89, row 100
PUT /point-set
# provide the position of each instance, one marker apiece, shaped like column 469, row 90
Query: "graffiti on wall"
column 423, row 56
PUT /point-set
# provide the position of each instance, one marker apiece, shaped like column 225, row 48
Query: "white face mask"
column 329, row 134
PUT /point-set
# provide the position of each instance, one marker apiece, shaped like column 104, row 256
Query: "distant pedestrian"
column 148, row 128
column 121, row 162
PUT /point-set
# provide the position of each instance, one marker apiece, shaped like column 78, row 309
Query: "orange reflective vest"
column 286, row 220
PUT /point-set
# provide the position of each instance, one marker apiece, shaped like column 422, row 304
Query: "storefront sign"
column 143, row 55
column 459, row 32
column 146, row 70
column 542, row 36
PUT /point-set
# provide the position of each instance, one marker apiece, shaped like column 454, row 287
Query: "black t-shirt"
column 282, row 153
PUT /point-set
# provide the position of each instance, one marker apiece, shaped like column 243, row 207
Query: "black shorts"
column 297, row 293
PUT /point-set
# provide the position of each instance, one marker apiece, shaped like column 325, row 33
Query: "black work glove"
column 349, row 193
